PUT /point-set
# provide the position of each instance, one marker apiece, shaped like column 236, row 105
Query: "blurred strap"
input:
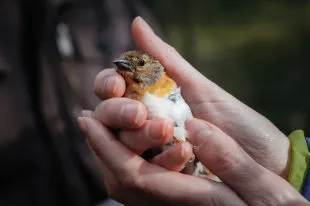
column 300, row 159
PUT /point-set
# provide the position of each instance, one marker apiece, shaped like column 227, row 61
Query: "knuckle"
column 129, row 182
column 228, row 160
column 224, row 154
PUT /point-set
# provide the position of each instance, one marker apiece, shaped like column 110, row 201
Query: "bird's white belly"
column 176, row 110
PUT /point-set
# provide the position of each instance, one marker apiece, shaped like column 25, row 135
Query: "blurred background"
column 259, row 51
column 51, row 51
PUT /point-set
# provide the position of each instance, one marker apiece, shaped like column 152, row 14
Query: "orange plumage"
column 161, row 88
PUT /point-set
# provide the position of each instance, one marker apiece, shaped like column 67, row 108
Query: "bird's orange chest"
column 161, row 88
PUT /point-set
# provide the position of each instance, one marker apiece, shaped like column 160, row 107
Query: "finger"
column 153, row 134
column 112, row 152
column 87, row 113
column 121, row 113
column 226, row 159
column 107, row 175
column 135, row 177
column 109, row 84
column 146, row 40
column 175, row 158
column 177, row 67
column 212, row 103
column 196, row 191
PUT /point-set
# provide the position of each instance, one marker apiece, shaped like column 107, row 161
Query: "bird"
column 147, row 82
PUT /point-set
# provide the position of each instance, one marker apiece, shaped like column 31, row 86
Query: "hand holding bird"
column 227, row 139
column 147, row 82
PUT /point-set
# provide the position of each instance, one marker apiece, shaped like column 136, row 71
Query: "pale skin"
column 245, row 150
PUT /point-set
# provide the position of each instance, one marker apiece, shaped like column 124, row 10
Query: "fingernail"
column 158, row 128
column 82, row 124
column 87, row 113
column 109, row 85
column 202, row 131
column 132, row 113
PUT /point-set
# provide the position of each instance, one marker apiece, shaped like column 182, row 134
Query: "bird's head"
column 139, row 67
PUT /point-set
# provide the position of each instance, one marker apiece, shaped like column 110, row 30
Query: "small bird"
column 146, row 81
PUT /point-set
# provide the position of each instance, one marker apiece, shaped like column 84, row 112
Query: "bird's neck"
column 162, row 87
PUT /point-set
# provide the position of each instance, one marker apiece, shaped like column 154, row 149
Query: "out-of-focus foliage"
column 257, row 50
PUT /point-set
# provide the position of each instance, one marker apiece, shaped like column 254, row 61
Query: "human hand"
column 253, row 132
column 131, row 180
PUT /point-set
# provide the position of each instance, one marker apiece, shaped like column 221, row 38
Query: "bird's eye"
column 141, row 62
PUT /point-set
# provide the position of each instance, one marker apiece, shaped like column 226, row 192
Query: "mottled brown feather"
column 146, row 75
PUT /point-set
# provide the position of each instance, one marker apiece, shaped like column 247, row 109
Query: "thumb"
column 226, row 159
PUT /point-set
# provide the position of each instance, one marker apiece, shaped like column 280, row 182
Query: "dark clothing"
column 43, row 156
column 44, row 160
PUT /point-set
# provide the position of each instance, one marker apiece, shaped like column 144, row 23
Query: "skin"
column 245, row 150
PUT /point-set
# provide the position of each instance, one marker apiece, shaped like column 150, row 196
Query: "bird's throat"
column 162, row 87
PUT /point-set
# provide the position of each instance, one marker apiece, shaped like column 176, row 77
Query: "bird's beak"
column 122, row 64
